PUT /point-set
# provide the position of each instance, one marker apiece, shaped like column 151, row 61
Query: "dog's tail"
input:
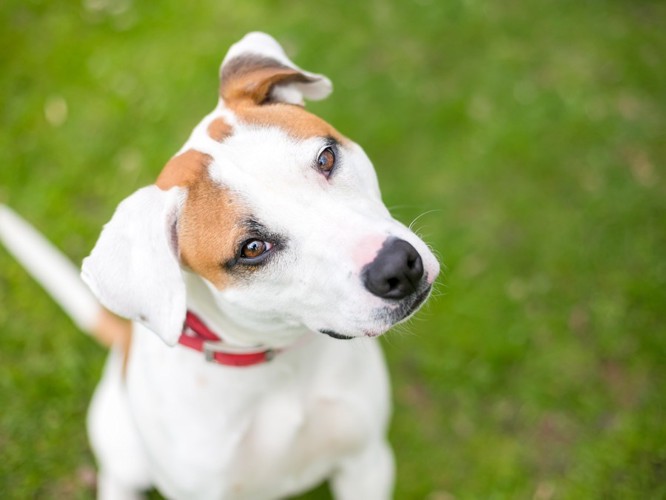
column 60, row 278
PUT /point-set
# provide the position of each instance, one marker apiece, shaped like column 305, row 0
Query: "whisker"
column 424, row 214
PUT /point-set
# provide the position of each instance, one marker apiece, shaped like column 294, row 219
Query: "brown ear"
column 251, row 77
column 257, row 71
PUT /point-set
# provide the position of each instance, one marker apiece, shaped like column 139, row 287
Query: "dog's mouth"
column 405, row 312
column 336, row 335
column 390, row 316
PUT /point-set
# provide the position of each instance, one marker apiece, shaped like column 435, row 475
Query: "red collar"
column 196, row 335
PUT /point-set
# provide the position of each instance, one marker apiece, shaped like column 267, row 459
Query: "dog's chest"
column 260, row 433
column 294, row 444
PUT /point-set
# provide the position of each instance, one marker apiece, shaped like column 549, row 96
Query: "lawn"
column 529, row 138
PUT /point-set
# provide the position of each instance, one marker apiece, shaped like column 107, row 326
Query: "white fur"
column 269, row 431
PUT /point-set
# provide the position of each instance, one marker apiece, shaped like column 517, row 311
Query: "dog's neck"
column 234, row 328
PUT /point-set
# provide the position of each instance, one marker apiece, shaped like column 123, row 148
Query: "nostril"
column 393, row 283
column 416, row 267
column 395, row 272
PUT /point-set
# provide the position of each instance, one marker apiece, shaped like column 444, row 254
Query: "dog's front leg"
column 123, row 466
column 366, row 476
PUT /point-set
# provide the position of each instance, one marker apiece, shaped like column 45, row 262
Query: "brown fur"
column 219, row 130
column 183, row 170
column 250, row 78
column 294, row 120
column 208, row 230
column 210, row 221
column 113, row 331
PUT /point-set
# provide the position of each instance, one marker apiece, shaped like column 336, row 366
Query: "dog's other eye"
column 326, row 161
column 253, row 250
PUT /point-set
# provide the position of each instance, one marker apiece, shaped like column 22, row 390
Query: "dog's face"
column 279, row 213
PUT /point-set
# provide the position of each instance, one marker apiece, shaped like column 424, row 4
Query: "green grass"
column 534, row 130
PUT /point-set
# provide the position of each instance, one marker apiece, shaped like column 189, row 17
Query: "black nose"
column 395, row 272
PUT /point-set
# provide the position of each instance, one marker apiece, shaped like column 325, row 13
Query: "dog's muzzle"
column 397, row 275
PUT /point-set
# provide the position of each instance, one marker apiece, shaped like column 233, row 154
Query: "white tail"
column 50, row 268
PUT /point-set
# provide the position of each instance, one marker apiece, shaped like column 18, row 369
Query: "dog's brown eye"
column 326, row 161
column 254, row 248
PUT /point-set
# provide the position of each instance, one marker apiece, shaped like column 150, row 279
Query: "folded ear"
column 133, row 269
column 257, row 71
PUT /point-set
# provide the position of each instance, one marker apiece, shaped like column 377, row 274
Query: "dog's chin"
column 387, row 316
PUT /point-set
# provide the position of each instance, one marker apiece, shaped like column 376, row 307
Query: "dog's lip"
column 418, row 301
column 411, row 309
column 335, row 335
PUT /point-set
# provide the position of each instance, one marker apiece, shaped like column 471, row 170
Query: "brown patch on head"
column 183, row 170
column 294, row 120
column 219, row 130
column 208, row 228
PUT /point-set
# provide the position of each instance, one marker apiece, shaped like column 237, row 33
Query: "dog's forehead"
column 246, row 131
column 291, row 119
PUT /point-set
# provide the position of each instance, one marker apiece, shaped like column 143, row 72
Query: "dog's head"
column 279, row 213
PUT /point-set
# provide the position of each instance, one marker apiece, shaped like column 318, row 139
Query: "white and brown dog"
column 266, row 236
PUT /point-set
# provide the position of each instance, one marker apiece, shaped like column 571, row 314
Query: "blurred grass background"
column 532, row 132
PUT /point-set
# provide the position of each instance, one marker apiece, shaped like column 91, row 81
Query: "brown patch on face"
column 219, row 130
column 208, row 226
column 183, row 170
column 208, row 229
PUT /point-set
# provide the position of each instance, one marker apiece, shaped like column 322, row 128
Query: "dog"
column 249, row 271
